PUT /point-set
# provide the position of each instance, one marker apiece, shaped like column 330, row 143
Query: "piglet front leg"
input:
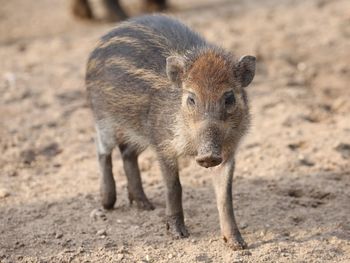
column 222, row 179
column 175, row 223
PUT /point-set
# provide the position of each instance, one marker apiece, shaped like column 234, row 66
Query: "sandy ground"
column 291, row 185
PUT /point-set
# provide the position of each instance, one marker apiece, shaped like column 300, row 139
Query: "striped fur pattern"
column 152, row 81
column 127, row 82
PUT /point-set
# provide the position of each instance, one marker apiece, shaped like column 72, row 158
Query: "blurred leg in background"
column 113, row 10
column 155, row 5
column 81, row 9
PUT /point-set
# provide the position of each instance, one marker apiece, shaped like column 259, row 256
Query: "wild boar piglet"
column 152, row 81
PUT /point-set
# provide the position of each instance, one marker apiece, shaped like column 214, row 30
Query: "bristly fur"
column 128, row 66
column 193, row 54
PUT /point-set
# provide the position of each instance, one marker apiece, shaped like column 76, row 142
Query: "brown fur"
column 210, row 75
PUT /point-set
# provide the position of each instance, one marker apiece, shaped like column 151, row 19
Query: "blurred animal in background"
column 112, row 8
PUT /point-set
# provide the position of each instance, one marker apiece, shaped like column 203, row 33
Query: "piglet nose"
column 208, row 160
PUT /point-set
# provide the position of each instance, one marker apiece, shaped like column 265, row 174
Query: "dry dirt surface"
column 291, row 185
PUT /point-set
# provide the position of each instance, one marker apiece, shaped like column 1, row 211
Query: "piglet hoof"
column 176, row 227
column 235, row 242
column 142, row 203
column 108, row 200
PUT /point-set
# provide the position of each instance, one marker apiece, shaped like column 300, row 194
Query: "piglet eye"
column 229, row 98
column 191, row 100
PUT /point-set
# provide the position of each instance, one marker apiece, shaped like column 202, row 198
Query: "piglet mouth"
column 209, row 160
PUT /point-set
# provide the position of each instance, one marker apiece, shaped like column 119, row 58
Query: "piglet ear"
column 246, row 70
column 175, row 67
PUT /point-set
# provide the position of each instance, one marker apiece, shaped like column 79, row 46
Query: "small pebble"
column 13, row 174
column 123, row 249
column 10, row 79
column 110, row 244
column 170, row 256
column 245, row 253
column 101, row 232
column 304, row 161
column 4, row 193
column 238, row 260
column 120, row 256
column 50, row 150
column 262, row 233
column 344, row 150
column 296, row 145
column 98, row 213
column 285, row 233
column 243, row 225
column 296, row 81
column 28, row 156
column 58, row 235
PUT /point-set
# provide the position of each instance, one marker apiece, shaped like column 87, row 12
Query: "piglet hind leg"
column 222, row 180
column 105, row 144
column 175, row 223
column 132, row 172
